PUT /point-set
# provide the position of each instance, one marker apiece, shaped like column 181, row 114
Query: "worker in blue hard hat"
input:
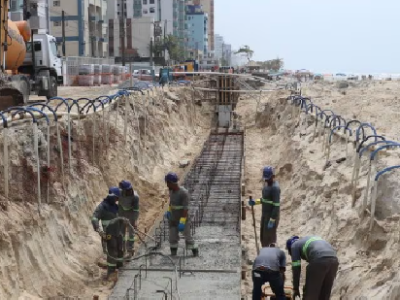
column 129, row 208
column 178, row 215
column 107, row 211
column 322, row 266
column 270, row 201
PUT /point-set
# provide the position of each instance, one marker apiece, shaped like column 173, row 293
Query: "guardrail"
column 328, row 124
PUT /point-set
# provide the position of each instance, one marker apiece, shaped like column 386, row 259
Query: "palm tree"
column 246, row 50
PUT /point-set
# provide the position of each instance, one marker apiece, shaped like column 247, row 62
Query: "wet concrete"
column 215, row 273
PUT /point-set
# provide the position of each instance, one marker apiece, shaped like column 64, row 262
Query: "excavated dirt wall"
column 53, row 254
column 317, row 200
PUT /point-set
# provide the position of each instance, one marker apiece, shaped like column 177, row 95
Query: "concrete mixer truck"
column 28, row 64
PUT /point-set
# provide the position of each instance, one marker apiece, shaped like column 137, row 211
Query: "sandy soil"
column 54, row 254
column 318, row 201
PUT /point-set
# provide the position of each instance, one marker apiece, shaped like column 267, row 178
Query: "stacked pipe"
column 327, row 124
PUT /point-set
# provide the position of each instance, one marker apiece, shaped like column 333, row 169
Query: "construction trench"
column 214, row 183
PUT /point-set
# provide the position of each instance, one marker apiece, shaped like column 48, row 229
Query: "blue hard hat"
column 171, row 177
column 125, row 185
column 268, row 172
column 290, row 242
column 114, row 192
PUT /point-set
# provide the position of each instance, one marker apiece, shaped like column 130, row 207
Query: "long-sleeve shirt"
column 106, row 212
column 179, row 201
column 271, row 201
column 129, row 205
column 308, row 248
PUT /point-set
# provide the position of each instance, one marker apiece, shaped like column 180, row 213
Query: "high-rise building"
column 197, row 30
column 208, row 8
column 85, row 26
column 226, row 54
column 219, row 46
column 179, row 16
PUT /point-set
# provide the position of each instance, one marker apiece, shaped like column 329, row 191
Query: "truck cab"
column 45, row 54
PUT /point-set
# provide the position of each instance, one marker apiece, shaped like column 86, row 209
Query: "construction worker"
column 106, row 211
column 269, row 266
column 321, row 270
column 178, row 215
column 129, row 208
column 270, row 207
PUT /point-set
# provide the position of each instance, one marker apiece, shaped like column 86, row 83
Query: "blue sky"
column 357, row 36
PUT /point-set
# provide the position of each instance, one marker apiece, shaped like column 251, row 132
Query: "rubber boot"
column 174, row 251
column 195, row 252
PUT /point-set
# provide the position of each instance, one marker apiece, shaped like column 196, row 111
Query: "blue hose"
column 43, row 106
column 367, row 138
column 19, row 109
column 372, row 144
column 362, row 125
column 338, row 127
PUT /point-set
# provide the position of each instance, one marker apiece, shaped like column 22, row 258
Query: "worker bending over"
column 269, row 266
column 178, row 215
column 321, row 270
column 270, row 201
column 106, row 211
column 128, row 208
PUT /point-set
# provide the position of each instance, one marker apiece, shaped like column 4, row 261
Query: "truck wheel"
column 25, row 90
column 53, row 90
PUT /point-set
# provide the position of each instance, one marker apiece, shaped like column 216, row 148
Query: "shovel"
column 254, row 226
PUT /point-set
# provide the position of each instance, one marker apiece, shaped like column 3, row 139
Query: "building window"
column 151, row 1
column 144, row 1
column 57, row 23
column 56, row 3
column 152, row 10
column 13, row 6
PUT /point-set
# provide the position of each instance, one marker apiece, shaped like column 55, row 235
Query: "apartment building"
column 227, row 53
column 85, row 26
column 208, row 8
column 179, row 16
column 197, row 30
column 39, row 10
column 130, row 22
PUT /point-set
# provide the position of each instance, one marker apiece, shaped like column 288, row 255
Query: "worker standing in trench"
column 270, row 201
column 106, row 211
column 178, row 215
column 322, row 266
column 128, row 208
column 269, row 266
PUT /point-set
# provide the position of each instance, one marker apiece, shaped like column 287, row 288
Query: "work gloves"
column 181, row 225
column 168, row 213
column 102, row 234
column 271, row 223
column 252, row 202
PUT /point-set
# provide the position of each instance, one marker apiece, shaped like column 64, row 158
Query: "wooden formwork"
column 224, row 95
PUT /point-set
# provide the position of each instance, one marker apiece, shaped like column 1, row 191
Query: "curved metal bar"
column 380, row 173
column 333, row 130
column 41, row 112
column 364, row 125
column 362, row 150
column 367, row 138
column 20, row 109
column 64, row 101
column 373, row 154
column 48, row 107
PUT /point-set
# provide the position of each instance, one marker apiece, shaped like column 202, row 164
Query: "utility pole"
column 122, row 32
column 165, row 29
column 63, row 32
